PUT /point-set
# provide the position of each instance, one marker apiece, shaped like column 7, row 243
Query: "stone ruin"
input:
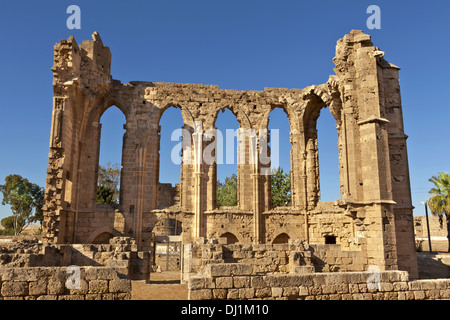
column 239, row 252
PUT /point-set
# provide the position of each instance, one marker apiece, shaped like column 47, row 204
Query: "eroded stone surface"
column 373, row 215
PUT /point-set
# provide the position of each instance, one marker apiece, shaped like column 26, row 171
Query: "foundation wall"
column 238, row 282
column 53, row 283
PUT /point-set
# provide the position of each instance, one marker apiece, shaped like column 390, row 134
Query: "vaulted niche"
column 170, row 157
column 110, row 156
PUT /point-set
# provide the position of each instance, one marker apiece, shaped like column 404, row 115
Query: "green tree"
column 439, row 201
column 26, row 200
column 105, row 195
column 281, row 188
column 227, row 192
column 8, row 223
column 108, row 182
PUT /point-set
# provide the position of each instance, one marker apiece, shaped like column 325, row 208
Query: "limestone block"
column 219, row 294
column 224, row 282
column 14, row 288
column 38, row 288
column 56, row 285
column 277, row 292
column 119, row 285
column 98, row 286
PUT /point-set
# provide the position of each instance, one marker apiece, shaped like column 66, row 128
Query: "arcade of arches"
column 373, row 214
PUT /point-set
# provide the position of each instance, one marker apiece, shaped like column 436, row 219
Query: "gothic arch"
column 231, row 238
column 103, row 230
column 281, row 238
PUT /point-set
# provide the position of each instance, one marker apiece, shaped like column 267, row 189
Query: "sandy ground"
column 162, row 286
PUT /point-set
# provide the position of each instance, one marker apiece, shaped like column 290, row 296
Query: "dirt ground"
column 163, row 286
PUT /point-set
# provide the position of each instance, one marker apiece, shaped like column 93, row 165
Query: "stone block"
column 82, row 289
column 263, row 292
column 219, row 294
column 303, row 291
column 98, row 286
column 38, row 288
column 233, row 294
column 290, row 292
column 246, row 293
column 277, row 292
column 241, row 282
column 14, row 288
column 419, row 295
column 303, row 269
column 224, row 282
column 56, row 285
column 258, row 282
column 120, row 285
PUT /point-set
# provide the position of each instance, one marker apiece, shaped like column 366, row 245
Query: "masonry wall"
column 295, row 257
column 51, row 283
column 238, row 282
column 120, row 254
column 373, row 214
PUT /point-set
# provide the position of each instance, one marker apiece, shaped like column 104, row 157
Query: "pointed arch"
column 231, row 238
column 110, row 155
column 226, row 164
column 280, row 149
column 316, row 99
column 281, row 238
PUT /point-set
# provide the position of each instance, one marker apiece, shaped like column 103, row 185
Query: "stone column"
column 140, row 177
column 199, row 228
column 257, row 210
column 369, row 186
column 298, row 176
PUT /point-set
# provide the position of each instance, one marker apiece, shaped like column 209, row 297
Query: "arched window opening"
column 227, row 159
column 327, row 142
column 110, row 156
column 280, row 156
column 231, row 238
column 170, row 156
column 281, row 238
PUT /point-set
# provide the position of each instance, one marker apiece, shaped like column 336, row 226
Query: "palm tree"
column 439, row 201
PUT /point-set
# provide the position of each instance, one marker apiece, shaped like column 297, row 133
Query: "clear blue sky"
column 234, row 44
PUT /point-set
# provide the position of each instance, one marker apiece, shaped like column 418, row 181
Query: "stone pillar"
column 140, row 183
column 245, row 170
column 298, row 176
column 365, row 129
column 199, row 228
column 398, row 158
column 257, row 209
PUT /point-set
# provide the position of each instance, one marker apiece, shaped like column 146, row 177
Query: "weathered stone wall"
column 121, row 254
column 50, row 283
column 239, row 282
column 273, row 258
column 373, row 214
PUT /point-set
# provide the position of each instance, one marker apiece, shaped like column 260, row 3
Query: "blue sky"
column 242, row 45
